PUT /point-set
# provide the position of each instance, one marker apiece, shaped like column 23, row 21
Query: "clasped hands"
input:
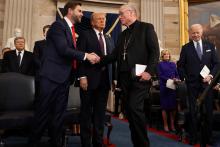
column 92, row 58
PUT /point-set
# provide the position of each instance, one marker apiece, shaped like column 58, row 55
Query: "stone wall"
column 171, row 27
column 2, row 11
column 43, row 12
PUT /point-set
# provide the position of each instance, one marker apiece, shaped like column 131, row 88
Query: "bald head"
column 196, row 32
column 127, row 14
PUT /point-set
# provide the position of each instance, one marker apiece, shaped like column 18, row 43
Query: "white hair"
column 129, row 7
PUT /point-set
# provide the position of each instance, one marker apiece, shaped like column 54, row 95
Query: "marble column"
column 152, row 12
column 18, row 14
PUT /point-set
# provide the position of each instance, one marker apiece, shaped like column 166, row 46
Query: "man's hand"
column 83, row 83
column 217, row 87
column 176, row 80
column 145, row 76
column 92, row 57
column 207, row 79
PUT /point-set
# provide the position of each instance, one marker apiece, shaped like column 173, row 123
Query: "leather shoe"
column 210, row 142
column 192, row 141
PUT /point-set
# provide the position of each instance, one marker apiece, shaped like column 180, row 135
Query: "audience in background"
column 18, row 60
column 1, row 59
column 167, row 70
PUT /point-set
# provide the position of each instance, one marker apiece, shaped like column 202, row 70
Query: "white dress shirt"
column 103, row 38
column 200, row 42
column 70, row 26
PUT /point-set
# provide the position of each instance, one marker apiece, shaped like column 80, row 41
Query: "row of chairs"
column 182, row 115
column 17, row 94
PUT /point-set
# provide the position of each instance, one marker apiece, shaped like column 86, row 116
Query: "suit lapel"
column 15, row 58
column 68, row 32
column 94, row 36
column 205, row 48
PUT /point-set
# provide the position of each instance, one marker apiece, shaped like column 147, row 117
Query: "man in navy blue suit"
column 95, row 82
column 194, row 56
column 55, row 75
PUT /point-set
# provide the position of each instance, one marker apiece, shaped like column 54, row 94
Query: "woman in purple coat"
column 167, row 70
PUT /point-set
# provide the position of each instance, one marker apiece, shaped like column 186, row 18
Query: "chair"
column 216, row 113
column 154, row 113
column 17, row 94
column 72, row 115
column 183, row 111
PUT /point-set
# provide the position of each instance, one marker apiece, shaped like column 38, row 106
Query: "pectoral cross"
column 124, row 55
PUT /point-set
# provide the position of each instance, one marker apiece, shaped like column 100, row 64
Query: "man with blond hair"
column 95, row 82
column 195, row 56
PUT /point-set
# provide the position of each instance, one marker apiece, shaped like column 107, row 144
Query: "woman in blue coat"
column 167, row 70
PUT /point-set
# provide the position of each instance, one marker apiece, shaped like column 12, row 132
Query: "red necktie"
column 74, row 64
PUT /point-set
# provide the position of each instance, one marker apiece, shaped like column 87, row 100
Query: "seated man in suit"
column 95, row 82
column 18, row 60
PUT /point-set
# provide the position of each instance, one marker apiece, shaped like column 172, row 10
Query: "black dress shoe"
column 192, row 141
column 210, row 142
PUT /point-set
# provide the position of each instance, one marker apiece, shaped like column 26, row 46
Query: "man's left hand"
column 207, row 79
column 145, row 76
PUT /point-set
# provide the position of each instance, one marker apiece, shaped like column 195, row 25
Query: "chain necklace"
column 127, row 41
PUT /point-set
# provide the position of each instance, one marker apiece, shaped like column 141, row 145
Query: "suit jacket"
column 39, row 47
column 88, row 42
column 190, row 65
column 10, row 63
column 59, row 53
column 143, row 48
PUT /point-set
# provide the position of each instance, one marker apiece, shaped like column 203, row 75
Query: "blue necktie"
column 198, row 50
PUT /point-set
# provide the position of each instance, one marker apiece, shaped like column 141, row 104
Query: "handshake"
column 92, row 58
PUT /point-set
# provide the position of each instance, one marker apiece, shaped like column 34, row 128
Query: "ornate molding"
column 116, row 2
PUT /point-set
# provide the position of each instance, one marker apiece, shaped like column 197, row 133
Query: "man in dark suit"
column 39, row 47
column 95, row 82
column 18, row 60
column 194, row 56
column 55, row 75
column 138, row 44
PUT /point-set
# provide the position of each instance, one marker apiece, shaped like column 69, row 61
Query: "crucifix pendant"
column 124, row 55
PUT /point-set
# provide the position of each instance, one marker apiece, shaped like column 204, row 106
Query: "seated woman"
column 167, row 70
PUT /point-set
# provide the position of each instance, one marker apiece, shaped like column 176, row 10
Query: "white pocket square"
column 208, row 51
